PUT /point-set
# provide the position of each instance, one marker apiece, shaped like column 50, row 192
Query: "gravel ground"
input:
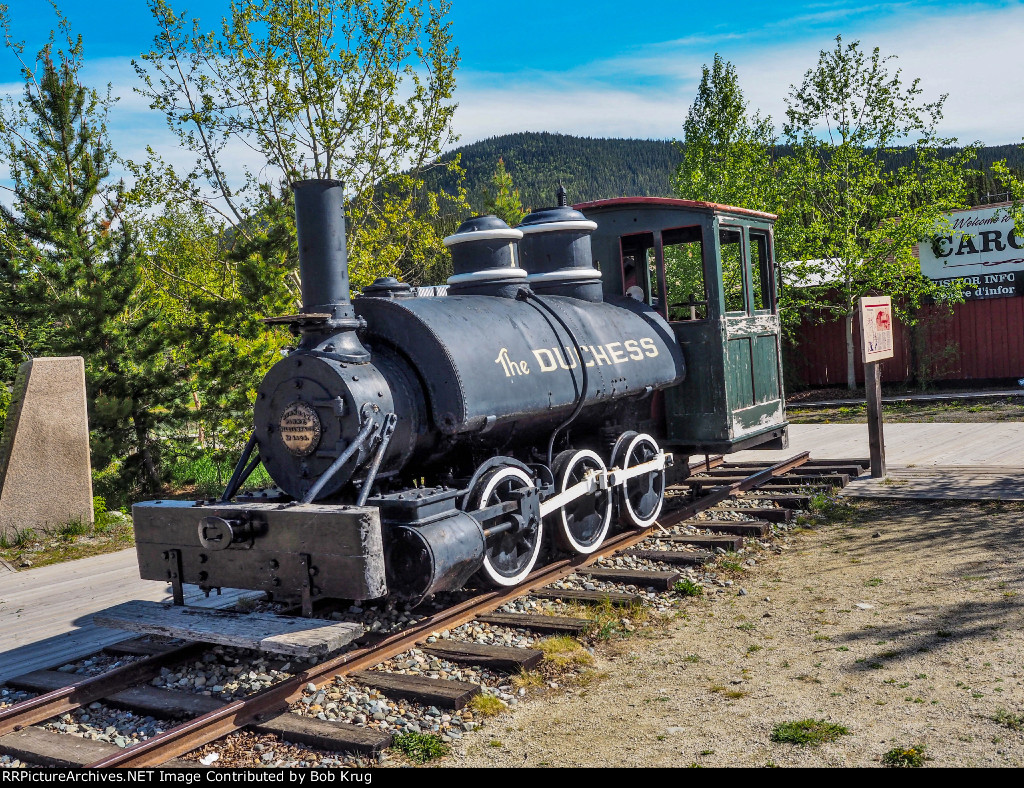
column 901, row 624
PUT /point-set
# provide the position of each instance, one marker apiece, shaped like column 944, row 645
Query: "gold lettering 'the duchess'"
column 551, row 359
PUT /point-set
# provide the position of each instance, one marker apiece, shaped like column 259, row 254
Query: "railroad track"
column 712, row 483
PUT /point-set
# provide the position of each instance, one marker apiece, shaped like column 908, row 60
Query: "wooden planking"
column 679, row 557
column 616, row 598
column 637, row 577
column 331, row 736
column 37, row 633
column 538, row 623
column 937, row 483
column 730, row 543
column 301, row 637
column 431, row 692
column 62, row 750
column 504, row 658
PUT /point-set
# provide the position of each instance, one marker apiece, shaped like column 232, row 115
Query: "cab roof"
column 670, row 202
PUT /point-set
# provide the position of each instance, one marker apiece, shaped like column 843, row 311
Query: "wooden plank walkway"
column 46, row 613
column 906, row 444
column 942, row 482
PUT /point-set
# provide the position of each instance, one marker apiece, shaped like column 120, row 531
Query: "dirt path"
column 903, row 624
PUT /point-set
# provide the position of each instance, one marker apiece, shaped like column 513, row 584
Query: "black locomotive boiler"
column 417, row 442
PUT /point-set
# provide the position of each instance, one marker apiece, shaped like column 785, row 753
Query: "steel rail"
column 209, row 727
column 79, row 693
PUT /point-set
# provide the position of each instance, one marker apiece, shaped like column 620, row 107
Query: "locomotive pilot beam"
column 419, row 444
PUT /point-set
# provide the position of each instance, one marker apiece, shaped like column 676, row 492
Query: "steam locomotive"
column 419, row 442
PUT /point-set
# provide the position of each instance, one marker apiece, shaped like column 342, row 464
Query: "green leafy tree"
column 502, row 198
column 70, row 264
column 727, row 153
column 358, row 91
column 850, row 216
column 1012, row 181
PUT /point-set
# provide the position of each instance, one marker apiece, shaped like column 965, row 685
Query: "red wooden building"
column 982, row 340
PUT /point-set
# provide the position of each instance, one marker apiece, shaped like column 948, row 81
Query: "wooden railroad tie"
column 138, row 647
column 785, row 501
column 793, row 480
column 64, row 751
column 637, row 577
column 782, row 515
column 538, row 623
column 853, row 471
column 507, row 659
column 443, row 693
column 679, row 557
column 332, row 736
column 729, row 543
column 615, row 598
column 757, row 528
column 164, row 703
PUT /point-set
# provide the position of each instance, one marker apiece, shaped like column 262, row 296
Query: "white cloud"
column 974, row 56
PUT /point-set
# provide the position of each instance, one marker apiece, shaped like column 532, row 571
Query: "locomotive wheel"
column 511, row 554
column 581, row 525
column 640, row 498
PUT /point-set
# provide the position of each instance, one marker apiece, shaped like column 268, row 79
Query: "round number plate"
column 300, row 429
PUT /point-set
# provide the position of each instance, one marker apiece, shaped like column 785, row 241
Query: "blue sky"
column 612, row 69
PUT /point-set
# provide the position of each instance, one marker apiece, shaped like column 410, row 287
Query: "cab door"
column 721, row 304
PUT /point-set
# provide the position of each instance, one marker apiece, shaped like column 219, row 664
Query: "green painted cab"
column 710, row 271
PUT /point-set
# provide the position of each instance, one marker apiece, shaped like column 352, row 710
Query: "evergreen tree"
column 70, row 265
column 726, row 153
column 502, row 199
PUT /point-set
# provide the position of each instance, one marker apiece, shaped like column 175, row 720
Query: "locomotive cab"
column 709, row 270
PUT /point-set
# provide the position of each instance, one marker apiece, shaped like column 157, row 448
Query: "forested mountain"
column 589, row 168
column 596, row 168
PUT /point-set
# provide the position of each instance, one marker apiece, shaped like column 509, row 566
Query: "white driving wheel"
column 580, row 525
column 513, row 546
column 640, row 498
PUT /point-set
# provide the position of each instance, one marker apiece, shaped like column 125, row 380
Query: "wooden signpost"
column 876, row 345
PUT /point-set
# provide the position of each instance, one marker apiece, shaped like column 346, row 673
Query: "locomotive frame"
column 417, row 443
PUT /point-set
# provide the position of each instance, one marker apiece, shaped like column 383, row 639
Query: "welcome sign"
column 983, row 249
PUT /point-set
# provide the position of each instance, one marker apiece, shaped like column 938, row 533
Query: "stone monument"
column 45, row 475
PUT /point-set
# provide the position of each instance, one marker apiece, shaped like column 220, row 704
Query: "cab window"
column 762, row 271
column 731, row 245
column 684, row 273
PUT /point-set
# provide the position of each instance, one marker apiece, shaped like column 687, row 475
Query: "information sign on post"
column 876, row 344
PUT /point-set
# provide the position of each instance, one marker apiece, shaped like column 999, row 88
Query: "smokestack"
column 323, row 261
column 330, row 327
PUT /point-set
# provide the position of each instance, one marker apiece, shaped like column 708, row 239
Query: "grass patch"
column 1014, row 722
column 808, row 732
column 687, row 587
column 874, row 581
column 420, row 747
column 905, row 757
column 562, row 651
column 109, row 532
column 486, row 705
